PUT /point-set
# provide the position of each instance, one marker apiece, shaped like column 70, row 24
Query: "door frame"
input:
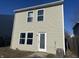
column 44, row 50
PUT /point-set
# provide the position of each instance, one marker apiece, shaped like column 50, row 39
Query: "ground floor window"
column 26, row 37
column 29, row 38
column 22, row 38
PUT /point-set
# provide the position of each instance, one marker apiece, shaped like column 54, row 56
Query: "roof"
column 40, row 6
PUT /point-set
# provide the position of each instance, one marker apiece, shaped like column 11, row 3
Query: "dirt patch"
column 70, row 54
column 6, row 52
column 50, row 56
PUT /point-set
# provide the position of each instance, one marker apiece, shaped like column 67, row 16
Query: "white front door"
column 42, row 41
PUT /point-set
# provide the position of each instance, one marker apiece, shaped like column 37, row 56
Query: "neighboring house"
column 39, row 28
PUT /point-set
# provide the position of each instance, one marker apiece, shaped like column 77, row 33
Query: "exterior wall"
column 53, row 25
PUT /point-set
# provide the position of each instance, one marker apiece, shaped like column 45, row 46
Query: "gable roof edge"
column 39, row 6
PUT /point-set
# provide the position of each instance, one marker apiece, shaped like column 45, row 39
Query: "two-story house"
column 39, row 28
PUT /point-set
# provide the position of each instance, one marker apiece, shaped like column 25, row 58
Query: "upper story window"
column 40, row 15
column 30, row 17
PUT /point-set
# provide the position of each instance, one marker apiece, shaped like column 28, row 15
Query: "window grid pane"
column 29, row 19
column 22, row 35
column 29, row 41
column 40, row 12
column 40, row 18
column 30, row 14
column 30, row 35
column 22, row 41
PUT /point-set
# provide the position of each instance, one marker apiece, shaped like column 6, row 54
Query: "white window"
column 29, row 38
column 22, row 38
column 40, row 15
column 30, row 17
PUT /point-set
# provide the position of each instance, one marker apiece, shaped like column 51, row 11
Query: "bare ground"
column 6, row 52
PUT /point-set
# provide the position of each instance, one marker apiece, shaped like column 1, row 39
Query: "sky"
column 71, row 8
